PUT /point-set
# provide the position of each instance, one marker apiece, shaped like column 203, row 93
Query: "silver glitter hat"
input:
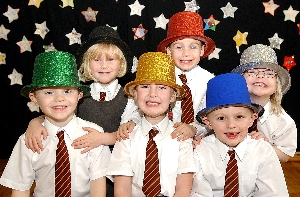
column 262, row 56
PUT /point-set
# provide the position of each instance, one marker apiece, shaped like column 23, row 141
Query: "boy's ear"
column 206, row 121
column 168, row 50
column 254, row 116
column 202, row 50
column 173, row 96
column 80, row 95
column 33, row 98
column 134, row 94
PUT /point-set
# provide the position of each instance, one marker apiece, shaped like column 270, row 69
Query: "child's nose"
column 59, row 97
column 185, row 52
column 152, row 92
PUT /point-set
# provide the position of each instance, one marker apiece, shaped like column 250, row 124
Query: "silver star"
column 136, row 8
column 191, row 6
column 15, row 77
column 41, row 29
column 228, row 10
column 74, row 37
column 275, row 41
column 161, row 22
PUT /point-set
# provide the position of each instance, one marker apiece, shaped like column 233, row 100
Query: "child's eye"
column 49, row 92
column 144, row 86
column 162, row 87
column 111, row 59
column 221, row 118
column 68, row 91
column 239, row 116
column 194, row 47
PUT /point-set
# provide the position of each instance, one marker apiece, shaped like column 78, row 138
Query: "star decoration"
column 139, row 32
column 161, row 22
column 191, row 6
column 290, row 14
column 115, row 27
column 15, row 77
column 275, row 41
column 134, row 65
column 41, row 29
column 136, row 8
column 3, row 32
column 74, row 37
column 24, row 45
column 240, row 38
column 90, row 14
column 270, row 7
column 228, row 10
column 11, row 14
column 214, row 54
column 49, row 47
column 2, row 58
column 289, row 62
column 211, row 23
column 67, row 3
column 33, row 107
column 36, row 3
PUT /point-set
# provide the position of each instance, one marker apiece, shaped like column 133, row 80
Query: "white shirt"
column 128, row 157
column 280, row 130
column 260, row 172
column 24, row 166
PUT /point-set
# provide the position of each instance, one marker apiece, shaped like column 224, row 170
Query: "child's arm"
column 17, row 193
column 124, row 129
column 257, row 135
column 122, row 186
column 33, row 134
column 98, row 187
column 183, row 131
column 183, row 184
column 281, row 155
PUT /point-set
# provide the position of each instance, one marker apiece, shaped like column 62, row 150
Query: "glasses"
column 266, row 73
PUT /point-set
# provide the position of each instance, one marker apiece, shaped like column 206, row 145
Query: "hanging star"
column 24, row 45
column 115, row 27
column 240, row 38
column 214, row 54
column 90, row 14
column 33, row 107
column 74, row 37
column 134, row 64
column 136, row 8
column 36, row 3
column 161, row 22
column 2, row 58
column 270, row 7
column 41, row 29
column 289, row 62
column 275, row 41
column 49, row 47
column 298, row 25
column 211, row 23
column 67, row 3
column 15, row 77
column 290, row 14
column 228, row 10
column 191, row 6
column 3, row 32
column 11, row 14
column 139, row 32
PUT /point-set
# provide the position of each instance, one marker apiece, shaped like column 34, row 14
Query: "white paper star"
column 275, row 41
column 33, row 107
column 15, row 77
column 270, row 7
column 24, row 45
column 115, row 27
column 136, row 8
column 49, row 47
column 2, row 58
column 67, row 3
column 134, row 65
column 11, row 14
column 228, row 10
column 41, row 29
column 74, row 37
column 290, row 14
column 161, row 22
column 3, row 32
column 191, row 6
column 214, row 54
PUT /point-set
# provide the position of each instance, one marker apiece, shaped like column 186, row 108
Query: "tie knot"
column 183, row 78
column 231, row 154
column 60, row 134
column 102, row 96
column 153, row 133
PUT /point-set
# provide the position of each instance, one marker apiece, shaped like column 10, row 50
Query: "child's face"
column 105, row 69
column 230, row 124
column 154, row 100
column 186, row 53
column 57, row 103
column 261, row 82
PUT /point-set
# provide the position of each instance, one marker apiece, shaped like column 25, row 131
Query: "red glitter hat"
column 187, row 25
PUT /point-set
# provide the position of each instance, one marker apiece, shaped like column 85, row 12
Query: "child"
column 56, row 90
column 229, row 113
column 153, row 90
column 267, row 83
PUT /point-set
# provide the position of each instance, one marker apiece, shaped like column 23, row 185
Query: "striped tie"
column 102, row 96
column 231, row 188
column 186, row 103
column 62, row 169
column 151, row 183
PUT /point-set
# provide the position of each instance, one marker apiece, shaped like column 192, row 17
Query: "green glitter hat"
column 54, row 69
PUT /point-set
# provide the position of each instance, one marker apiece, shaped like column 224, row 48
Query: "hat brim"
column 282, row 73
column 209, row 46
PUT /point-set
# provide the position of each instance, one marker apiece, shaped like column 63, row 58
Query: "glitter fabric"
column 155, row 67
column 187, row 25
column 262, row 56
column 53, row 69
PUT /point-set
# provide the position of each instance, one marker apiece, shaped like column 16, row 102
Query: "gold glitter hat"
column 158, row 68
column 262, row 56
column 54, row 69
column 186, row 25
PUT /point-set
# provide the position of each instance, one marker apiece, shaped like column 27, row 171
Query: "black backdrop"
column 60, row 20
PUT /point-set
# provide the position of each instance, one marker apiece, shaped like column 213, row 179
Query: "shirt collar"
column 110, row 90
column 266, row 113
column 189, row 75
column 161, row 126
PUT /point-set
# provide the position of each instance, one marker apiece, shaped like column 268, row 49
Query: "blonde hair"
column 276, row 98
column 96, row 51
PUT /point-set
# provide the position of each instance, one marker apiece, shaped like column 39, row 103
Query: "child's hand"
column 197, row 140
column 183, row 131
column 89, row 141
column 124, row 129
column 257, row 135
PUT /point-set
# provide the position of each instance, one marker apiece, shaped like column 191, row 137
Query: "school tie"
column 62, row 169
column 151, row 183
column 186, row 103
column 231, row 188
column 102, row 96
